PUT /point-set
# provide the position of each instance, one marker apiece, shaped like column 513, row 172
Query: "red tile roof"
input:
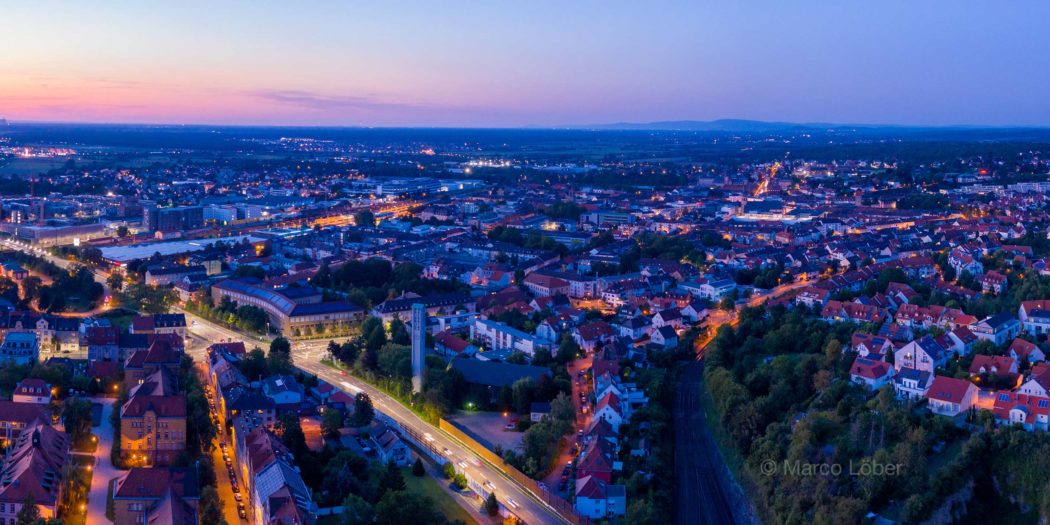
column 163, row 406
column 949, row 389
column 152, row 483
column 870, row 368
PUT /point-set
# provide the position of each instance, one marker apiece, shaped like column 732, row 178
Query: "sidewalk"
column 104, row 471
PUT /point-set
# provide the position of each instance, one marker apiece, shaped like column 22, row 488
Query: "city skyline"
column 544, row 65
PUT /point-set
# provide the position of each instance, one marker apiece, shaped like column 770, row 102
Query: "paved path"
column 104, row 471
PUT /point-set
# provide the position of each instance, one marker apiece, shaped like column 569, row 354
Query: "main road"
column 307, row 357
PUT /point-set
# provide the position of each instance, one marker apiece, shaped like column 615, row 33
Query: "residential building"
column 30, row 390
column 498, row 336
column 949, row 396
column 998, row 328
column 34, row 467
column 148, row 495
column 20, row 348
column 16, row 417
column 153, row 421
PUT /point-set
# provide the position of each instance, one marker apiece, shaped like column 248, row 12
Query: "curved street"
column 307, row 356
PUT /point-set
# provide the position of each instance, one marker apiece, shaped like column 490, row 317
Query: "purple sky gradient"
column 541, row 63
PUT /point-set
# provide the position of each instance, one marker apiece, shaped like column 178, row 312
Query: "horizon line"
column 659, row 125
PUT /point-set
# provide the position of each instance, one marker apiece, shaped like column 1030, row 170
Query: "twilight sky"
column 531, row 63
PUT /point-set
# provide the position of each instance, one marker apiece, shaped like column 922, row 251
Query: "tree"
column 291, row 433
column 122, row 231
column 210, row 506
column 392, row 479
column 642, row 512
column 568, row 349
column 417, row 468
column 399, row 507
column 365, row 219
column 363, row 410
column 562, row 408
column 31, row 288
column 506, row 398
column 279, row 359
column 76, row 417
column 331, row 423
column 399, row 333
column 832, row 351
column 115, row 281
column 491, row 506
column 376, row 338
column 29, row 513
column 522, row 391
column 253, row 366
column 448, row 470
column 357, row 511
column 395, row 361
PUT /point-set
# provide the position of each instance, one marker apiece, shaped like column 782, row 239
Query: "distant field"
column 31, row 166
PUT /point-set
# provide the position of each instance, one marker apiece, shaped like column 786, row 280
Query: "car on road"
column 446, row 451
column 342, row 373
column 513, row 504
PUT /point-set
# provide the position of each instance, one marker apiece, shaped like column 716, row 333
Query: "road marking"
column 350, row 387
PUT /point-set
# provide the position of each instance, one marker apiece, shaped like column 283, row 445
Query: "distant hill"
column 731, row 125
column 759, row 126
column 3, row 122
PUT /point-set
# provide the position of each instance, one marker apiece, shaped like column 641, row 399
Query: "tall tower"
column 419, row 338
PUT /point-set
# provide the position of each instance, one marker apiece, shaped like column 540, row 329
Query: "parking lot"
column 490, row 429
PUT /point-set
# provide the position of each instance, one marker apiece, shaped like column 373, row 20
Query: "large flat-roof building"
column 290, row 316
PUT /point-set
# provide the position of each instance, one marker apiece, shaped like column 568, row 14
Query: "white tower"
column 419, row 338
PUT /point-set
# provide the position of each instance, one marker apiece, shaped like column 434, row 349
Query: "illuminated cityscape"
column 338, row 264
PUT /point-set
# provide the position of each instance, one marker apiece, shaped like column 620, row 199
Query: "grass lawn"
column 120, row 318
column 442, row 501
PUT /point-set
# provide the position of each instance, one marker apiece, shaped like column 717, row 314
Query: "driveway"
column 104, row 471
